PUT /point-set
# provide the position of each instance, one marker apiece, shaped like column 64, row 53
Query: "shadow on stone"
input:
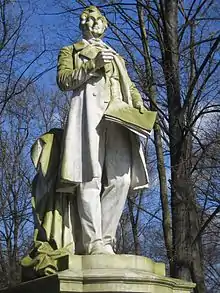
column 50, row 284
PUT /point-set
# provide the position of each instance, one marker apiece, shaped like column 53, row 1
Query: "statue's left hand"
column 140, row 107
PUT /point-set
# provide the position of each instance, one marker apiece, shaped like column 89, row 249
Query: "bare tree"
column 15, row 178
column 19, row 56
column 20, row 69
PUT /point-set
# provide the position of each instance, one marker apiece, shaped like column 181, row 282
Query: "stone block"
column 107, row 273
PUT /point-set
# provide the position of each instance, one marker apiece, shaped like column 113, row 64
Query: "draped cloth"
column 57, row 230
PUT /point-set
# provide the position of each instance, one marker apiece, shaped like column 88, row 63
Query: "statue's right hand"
column 103, row 57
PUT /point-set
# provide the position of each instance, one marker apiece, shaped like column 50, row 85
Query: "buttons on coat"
column 94, row 94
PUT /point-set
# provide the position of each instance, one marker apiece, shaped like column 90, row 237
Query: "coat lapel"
column 86, row 50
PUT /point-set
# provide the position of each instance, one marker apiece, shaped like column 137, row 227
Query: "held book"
column 129, row 117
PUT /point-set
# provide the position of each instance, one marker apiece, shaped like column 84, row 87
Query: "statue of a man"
column 101, row 161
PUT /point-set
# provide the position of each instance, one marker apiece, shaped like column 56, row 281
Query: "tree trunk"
column 187, row 257
column 134, row 226
column 151, row 93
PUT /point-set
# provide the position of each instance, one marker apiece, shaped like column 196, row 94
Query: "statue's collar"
column 84, row 43
column 80, row 45
column 85, row 49
column 90, row 49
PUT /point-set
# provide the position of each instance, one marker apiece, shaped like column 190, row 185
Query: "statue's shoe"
column 109, row 249
column 101, row 249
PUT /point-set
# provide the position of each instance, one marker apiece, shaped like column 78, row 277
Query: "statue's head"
column 92, row 23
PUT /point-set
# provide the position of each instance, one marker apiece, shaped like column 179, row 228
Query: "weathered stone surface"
column 107, row 273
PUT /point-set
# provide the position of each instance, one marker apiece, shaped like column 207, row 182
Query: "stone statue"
column 85, row 172
column 103, row 159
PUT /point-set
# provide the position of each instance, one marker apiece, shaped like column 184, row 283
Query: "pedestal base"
column 107, row 273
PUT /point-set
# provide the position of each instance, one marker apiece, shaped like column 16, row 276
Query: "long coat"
column 91, row 95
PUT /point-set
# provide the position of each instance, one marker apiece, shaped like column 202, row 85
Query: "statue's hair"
column 85, row 14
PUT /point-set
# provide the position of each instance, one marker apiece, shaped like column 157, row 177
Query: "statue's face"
column 94, row 25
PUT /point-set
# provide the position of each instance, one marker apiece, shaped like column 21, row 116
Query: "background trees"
column 171, row 51
column 21, row 66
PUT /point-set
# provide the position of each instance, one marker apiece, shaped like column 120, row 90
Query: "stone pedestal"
column 107, row 273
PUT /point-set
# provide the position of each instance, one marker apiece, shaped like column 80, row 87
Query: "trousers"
column 101, row 201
